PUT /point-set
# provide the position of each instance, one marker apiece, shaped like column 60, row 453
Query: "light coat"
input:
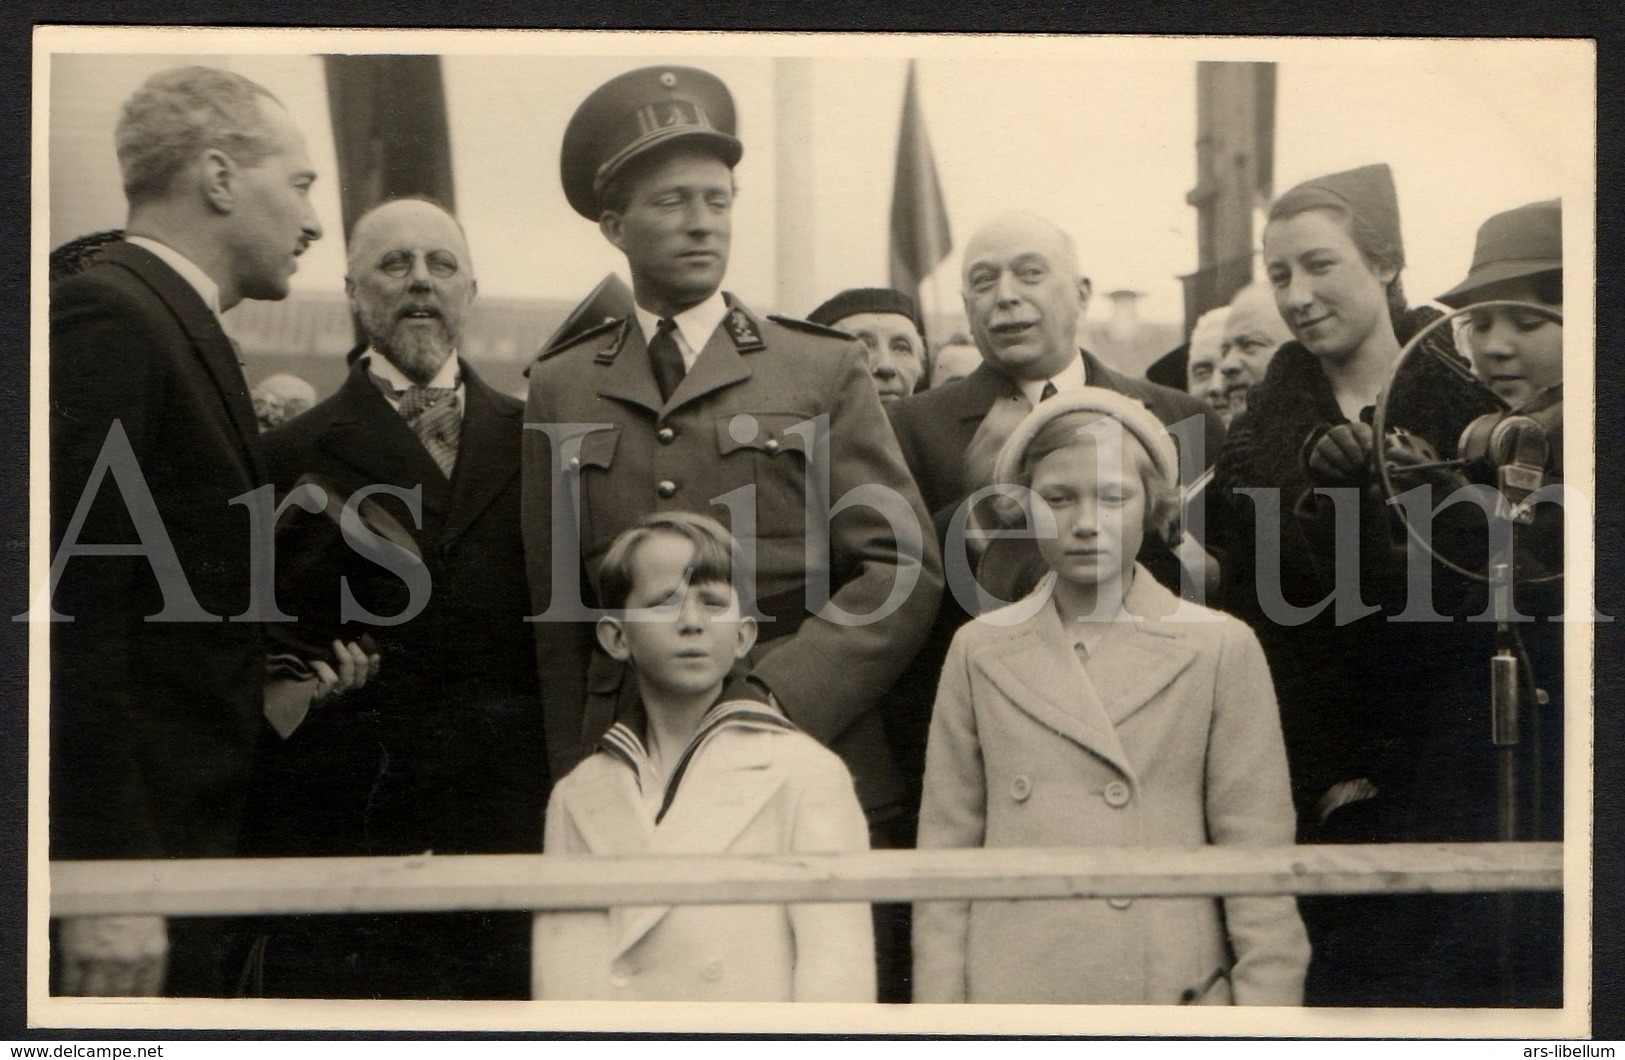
column 744, row 792
column 1167, row 737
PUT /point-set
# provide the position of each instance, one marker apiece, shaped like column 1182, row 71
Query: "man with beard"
column 443, row 752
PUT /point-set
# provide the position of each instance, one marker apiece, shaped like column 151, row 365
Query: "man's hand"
column 112, row 956
column 288, row 700
column 995, row 429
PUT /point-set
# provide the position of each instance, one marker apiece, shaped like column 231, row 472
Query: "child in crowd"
column 1089, row 714
column 1519, row 258
column 697, row 776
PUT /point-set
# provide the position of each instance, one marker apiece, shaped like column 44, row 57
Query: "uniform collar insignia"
column 742, row 329
column 608, row 354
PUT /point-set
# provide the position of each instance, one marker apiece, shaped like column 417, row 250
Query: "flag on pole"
column 919, row 221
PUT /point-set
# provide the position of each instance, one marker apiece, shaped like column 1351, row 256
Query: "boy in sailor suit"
column 699, row 776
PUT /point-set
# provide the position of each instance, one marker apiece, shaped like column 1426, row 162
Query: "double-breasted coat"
column 934, row 429
column 1166, row 736
column 785, row 412
column 744, row 792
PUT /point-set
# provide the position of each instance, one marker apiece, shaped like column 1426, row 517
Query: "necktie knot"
column 665, row 359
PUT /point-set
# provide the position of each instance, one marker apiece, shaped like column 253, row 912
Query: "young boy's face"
column 688, row 636
column 1094, row 490
column 1517, row 352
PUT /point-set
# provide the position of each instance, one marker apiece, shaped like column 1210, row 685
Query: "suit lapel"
column 978, row 391
column 370, row 436
column 1038, row 670
column 487, row 453
column 209, row 342
column 717, row 800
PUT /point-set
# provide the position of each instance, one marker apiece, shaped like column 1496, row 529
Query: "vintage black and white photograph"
column 871, row 533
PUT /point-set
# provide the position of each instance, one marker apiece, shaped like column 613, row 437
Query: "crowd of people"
column 733, row 582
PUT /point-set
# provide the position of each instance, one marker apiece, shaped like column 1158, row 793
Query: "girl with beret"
column 1099, row 710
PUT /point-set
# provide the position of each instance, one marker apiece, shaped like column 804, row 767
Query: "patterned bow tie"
column 433, row 415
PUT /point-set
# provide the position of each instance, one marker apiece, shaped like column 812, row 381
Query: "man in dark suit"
column 443, row 750
column 157, row 682
column 683, row 405
column 1024, row 295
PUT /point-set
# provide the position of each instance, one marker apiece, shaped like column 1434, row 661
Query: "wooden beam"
column 331, row 885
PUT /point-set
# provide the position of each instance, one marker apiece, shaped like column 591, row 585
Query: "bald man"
column 443, row 752
column 1253, row 331
column 1202, row 380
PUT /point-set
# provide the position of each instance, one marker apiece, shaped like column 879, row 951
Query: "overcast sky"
column 1097, row 134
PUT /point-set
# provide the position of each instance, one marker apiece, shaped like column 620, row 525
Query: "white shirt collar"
column 449, row 377
column 206, row 288
column 1074, row 376
column 695, row 326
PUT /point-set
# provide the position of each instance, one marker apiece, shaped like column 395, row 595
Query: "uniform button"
column 667, row 489
column 772, row 445
column 1116, row 794
column 1020, row 788
column 713, row 971
column 666, row 435
column 1119, row 903
column 575, row 463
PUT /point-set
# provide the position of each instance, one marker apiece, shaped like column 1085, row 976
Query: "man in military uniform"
column 685, row 403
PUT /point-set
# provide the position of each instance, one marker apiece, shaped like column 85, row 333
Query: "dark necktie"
column 665, row 358
column 432, row 413
column 1048, row 392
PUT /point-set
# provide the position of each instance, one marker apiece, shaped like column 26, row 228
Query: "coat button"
column 713, row 971
column 666, row 435
column 1020, row 788
column 575, row 463
column 667, row 489
column 771, row 445
column 1116, row 794
column 1119, row 903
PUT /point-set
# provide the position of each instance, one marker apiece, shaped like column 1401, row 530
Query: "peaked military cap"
column 635, row 113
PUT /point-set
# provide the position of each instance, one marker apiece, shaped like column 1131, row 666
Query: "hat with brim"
column 1512, row 245
column 639, row 112
column 1011, row 566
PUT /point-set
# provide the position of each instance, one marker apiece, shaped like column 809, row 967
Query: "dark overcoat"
column 153, row 723
column 443, row 750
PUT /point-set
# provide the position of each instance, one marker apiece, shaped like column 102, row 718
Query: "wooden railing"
column 535, row 882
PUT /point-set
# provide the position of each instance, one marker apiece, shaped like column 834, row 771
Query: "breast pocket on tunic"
column 594, row 490
column 770, row 450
